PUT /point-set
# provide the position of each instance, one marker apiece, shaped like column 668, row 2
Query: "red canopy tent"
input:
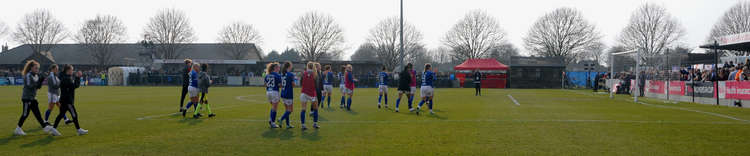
column 494, row 73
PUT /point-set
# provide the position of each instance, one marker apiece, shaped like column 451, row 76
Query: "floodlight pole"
column 401, row 33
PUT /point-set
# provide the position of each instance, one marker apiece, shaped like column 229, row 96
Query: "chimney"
column 4, row 48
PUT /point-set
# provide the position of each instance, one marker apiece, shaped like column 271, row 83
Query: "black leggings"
column 73, row 113
column 203, row 95
column 478, row 89
column 184, row 92
column 32, row 105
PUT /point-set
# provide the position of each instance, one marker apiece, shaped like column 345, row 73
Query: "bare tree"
column 170, row 30
column 595, row 52
column 562, row 33
column 419, row 56
column 650, row 31
column 315, row 34
column 272, row 56
column 290, row 54
column 735, row 20
column 98, row 35
column 504, row 52
column 441, row 55
column 238, row 39
column 365, row 52
column 385, row 37
column 40, row 30
column 474, row 35
column 3, row 29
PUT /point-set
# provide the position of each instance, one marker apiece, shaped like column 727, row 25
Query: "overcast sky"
column 432, row 17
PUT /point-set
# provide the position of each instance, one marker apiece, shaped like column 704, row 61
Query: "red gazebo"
column 494, row 73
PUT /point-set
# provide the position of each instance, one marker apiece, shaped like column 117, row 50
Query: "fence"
column 725, row 93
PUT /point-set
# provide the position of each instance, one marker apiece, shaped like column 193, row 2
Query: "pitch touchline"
column 241, row 98
column 697, row 111
column 683, row 109
column 487, row 120
column 514, row 100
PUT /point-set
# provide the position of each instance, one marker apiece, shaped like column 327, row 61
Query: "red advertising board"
column 656, row 87
column 737, row 90
column 677, row 87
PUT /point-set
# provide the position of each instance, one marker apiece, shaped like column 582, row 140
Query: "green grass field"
column 140, row 121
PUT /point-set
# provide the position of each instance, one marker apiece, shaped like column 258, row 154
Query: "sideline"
column 678, row 108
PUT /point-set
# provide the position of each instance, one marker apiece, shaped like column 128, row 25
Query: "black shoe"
column 183, row 113
column 68, row 122
column 211, row 115
column 196, row 116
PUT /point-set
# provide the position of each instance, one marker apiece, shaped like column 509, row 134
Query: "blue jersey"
column 427, row 78
column 194, row 79
column 328, row 78
column 288, row 83
column 273, row 81
column 383, row 78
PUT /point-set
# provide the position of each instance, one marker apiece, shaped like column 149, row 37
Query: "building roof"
column 481, row 64
column 737, row 42
column 123, row 54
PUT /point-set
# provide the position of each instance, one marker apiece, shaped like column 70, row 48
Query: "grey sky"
column 432, row 17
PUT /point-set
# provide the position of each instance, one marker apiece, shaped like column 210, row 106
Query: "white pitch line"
column 163, row 115
column 240, row 98
column 493, row 120
column 697, row 111
column 683, row 109
column 514, row 100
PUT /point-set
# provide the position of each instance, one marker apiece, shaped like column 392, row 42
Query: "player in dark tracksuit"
column 477, row 83
column 318, row 86
column 185, row 82
column 319, row 83
column 68, row 85
column 32, row 81
column 404, row 79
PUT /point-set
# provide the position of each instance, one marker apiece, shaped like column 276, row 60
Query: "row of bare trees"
column 563, row 33
column 169, row 29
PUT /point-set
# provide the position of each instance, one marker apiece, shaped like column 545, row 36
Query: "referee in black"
column 185, row 82
column 477, row 83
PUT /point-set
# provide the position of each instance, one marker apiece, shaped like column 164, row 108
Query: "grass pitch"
column 141, row 121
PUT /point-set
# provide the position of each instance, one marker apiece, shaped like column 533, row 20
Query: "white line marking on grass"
column 493, row 120
column 681, row 108
column 177, row 113
column 240, row 98
column 514, row 100
column 697, row 111
column 244, row 98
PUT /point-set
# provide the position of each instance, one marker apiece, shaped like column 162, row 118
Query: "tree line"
column 562, row 33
